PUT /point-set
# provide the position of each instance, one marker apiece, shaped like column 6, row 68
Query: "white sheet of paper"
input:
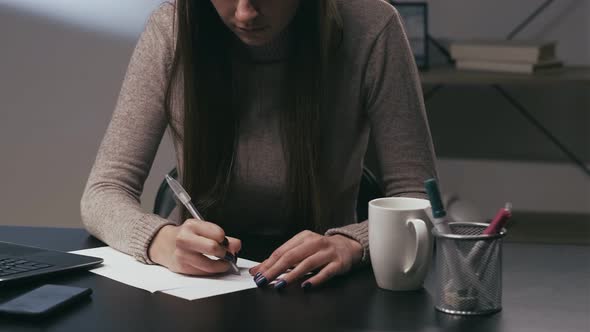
column 212, row 287
column 125, row 269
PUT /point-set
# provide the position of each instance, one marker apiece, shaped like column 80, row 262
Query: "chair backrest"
column 369, row 189
column 165, row 202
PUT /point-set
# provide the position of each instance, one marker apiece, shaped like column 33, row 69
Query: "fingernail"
column 257, row 275
column 225, row 242
column 280, row 284
column 306, row 285
column 229, row 257
column 262, row 281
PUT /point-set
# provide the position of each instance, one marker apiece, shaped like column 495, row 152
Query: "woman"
column 271, row 104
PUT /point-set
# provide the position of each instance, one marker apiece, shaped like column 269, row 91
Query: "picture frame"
column 415, row 20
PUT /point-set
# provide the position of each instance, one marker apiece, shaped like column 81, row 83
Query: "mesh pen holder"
column 468, row 277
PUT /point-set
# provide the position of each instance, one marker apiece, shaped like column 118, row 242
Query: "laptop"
column 19, row 262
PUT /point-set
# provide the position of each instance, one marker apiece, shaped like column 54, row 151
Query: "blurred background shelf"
column 439, row 77
column 450, row 75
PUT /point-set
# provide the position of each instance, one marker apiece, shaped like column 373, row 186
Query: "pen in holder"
column 468, row 270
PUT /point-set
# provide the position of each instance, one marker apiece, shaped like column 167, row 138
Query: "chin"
column 255, row 41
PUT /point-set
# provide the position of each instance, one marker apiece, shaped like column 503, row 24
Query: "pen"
column 499, row 221
column 479, row 249
column 441, row 225
column 185, row 199
column 438, row 210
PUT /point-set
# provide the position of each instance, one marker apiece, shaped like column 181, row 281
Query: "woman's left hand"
column 307, row 252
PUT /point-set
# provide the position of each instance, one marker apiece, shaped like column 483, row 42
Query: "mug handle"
column 421, row 252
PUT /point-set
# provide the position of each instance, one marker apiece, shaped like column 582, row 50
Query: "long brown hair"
column 202, row 64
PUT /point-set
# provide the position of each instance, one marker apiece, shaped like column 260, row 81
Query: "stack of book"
column 504, row 55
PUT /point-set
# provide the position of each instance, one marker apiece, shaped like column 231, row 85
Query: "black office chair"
column 165, row 202
column 369, row 189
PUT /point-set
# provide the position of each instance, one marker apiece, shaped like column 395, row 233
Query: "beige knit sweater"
column 374, row 89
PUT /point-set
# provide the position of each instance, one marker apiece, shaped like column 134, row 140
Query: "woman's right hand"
column 182, row 249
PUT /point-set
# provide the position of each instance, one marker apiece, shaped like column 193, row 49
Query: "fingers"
column 234, row 246
column 206, row 229
column 332, row 255
column 328, row 272
column 291, row 258
column 209, row 247
column 279, row 252
column 193, row 263
column 201, row 248
column 192, row 242
column 310, row 264
column 206, row 238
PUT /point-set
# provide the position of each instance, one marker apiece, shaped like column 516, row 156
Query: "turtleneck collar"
column 276, row 50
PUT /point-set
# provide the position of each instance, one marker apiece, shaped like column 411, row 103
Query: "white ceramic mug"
column 400, row 241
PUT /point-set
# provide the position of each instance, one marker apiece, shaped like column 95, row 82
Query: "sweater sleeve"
column 398, row 121
column 110, row 204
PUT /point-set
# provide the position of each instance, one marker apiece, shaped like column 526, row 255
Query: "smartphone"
column 44, row 300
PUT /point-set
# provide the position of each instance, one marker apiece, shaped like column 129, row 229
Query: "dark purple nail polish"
column 306, row 285
column 262, row 281
column 257, row 275
column 229, row 257
column 225, row 242
column 280, row 284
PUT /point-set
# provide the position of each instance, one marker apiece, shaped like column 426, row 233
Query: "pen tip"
column 235, row 269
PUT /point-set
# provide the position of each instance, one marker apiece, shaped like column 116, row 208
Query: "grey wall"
column 58, row 86
column 59, row 80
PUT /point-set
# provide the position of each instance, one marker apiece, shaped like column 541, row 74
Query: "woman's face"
column 256, row 22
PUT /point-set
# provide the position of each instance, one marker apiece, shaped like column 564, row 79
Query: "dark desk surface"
column 546, row 288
